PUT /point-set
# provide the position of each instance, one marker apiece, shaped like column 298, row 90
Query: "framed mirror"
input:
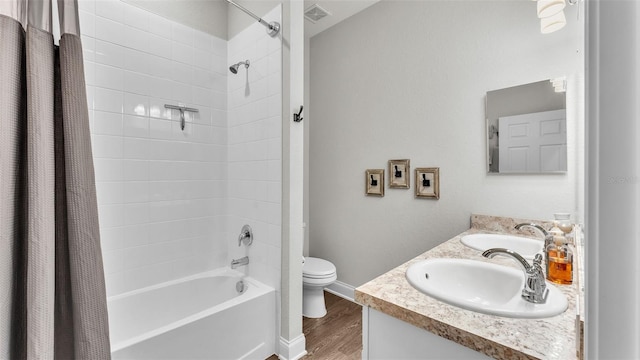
column 527, row 128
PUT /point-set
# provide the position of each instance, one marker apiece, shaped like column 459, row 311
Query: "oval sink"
column 526, row 247
column 482, row 287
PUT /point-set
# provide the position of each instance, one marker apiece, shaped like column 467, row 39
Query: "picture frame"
column 427, row 183
column 374, row 182
column 399, row 171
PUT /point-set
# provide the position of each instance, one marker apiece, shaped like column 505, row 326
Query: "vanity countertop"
column 497, row 337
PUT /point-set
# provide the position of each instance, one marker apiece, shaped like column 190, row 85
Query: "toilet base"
column 313, row 302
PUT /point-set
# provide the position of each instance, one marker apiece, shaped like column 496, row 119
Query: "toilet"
column 316, row 275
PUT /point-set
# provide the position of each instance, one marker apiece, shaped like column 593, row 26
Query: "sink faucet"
column 544, row 232
column 239, row 262
column 535, row 289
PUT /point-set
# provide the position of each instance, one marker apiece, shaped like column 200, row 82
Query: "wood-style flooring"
column 337, row 335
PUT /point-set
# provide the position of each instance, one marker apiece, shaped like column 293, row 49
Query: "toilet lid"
column 317, row 267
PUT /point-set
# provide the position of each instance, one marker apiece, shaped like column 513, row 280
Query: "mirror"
column 527, row 128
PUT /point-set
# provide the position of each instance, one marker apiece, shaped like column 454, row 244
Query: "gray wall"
column 407, row 79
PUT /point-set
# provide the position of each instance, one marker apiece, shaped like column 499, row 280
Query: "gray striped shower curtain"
column 52, row 292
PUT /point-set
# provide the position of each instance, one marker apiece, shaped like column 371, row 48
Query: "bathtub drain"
column 241, row 287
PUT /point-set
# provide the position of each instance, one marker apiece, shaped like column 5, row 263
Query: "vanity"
column 400, row 322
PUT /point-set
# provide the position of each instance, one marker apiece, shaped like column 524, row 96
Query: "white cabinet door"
column 387, row 338
column 535, row 142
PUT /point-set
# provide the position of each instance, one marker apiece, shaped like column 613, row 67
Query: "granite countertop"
column 495, row 336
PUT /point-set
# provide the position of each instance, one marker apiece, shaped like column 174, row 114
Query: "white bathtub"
column 198, row 317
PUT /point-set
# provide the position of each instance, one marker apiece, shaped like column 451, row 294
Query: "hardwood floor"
column 337, row 335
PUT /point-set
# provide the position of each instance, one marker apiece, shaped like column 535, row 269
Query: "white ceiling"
column 339, row 10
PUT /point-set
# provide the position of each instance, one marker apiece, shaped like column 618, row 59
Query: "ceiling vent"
column 315, row 13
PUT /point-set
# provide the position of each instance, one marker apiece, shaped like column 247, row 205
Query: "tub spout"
column 239, row 262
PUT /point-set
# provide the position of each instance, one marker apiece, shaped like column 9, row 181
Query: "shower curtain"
column 52, row 293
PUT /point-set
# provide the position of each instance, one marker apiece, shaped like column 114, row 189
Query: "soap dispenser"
column 559, row 261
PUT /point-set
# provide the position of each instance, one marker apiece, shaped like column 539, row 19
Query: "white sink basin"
column 482, row 287
column 526, row 247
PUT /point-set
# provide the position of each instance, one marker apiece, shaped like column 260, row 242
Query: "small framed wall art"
column 375, row 182
column 399, row 174
column 428, row 183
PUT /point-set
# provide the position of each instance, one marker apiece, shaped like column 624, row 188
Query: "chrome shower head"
column 234, row 68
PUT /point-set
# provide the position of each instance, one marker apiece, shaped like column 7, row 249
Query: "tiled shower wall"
column 162, row 192
column 255, row 148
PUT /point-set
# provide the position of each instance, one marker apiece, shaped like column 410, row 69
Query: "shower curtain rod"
column 272, row 28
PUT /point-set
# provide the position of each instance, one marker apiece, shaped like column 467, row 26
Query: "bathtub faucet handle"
column 246, row 236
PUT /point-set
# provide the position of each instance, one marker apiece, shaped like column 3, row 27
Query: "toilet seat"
column 315, row 268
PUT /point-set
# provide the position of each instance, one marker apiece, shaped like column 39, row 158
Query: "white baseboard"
column 292, row 350
column 343, row 290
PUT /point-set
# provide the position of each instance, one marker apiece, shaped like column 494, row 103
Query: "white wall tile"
column 135, row 60
column 157, row 108
column 107, row 123
column 136, row 126
column 110, row 9
column 110, row 215
column 109, row 30
column 88, row 48
column 106, row 146
column 108, row 169
column 87, row 23
column 169, row 186
column 136, row 235
column 160, row 26
column 137, row 213
column 110, row 192
column 108, row 100
column 159, row 46
column 108, row 77
column 90, row 73
column 182, row 34
column 135, row 170
column 87, row 6
column 135, row 104
column 135, row 38
column 136, row 17
column 109, row 54
column 181, row 53
column 111, row 238
column 135, row 148
column 135, row 82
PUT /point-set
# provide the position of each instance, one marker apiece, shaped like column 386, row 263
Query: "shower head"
column 234, row 68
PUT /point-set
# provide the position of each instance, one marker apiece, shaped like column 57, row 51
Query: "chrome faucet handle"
column 535, row 288
column 246, row 236
column 542, row 230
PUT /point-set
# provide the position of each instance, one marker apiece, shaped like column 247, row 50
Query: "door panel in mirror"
column 532, row 143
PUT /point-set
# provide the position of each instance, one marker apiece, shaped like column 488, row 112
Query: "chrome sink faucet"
column 544, row 232
column 535, row 289
column 239, row 262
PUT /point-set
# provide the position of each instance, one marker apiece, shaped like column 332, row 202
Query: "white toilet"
column 316, row 275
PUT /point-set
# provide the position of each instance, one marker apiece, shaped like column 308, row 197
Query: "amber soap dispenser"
column 559, row 261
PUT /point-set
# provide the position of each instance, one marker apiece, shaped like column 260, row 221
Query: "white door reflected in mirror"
column 533, row 143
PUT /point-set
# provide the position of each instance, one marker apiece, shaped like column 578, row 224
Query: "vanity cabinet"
column 385, row 337
column 400, row 322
